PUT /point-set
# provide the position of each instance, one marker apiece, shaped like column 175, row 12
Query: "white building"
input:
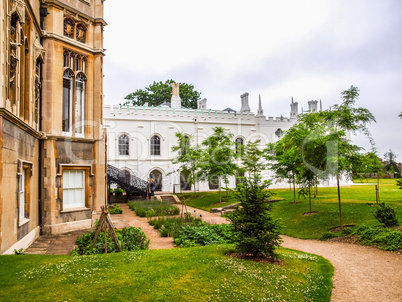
column 140, row 138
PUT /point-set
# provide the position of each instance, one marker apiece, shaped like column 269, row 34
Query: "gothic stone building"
column 140, row 138
column 52, row 143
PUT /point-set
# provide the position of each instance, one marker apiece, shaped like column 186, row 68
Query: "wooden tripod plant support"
column 105, row 224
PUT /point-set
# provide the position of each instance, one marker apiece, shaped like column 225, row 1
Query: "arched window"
column 74, row 94
column 156, row 176
column 186, row 145
column 124, row 145
column 155, row 145
column 80, row 103
column 68, row 76
column 239, row 145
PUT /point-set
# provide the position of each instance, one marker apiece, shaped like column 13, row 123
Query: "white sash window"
column 73, row 189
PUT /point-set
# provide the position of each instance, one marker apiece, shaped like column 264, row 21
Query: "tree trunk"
column 316, row 188
column 195, row 182
column 339, row 202
column 378, row 188
column 309, row 195
column 294, row 191
column 219, row 182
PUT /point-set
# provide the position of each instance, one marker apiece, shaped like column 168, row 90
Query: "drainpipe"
column 43, row 14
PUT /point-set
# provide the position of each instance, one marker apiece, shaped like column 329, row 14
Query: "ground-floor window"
column 73, row 189
column 24, row 177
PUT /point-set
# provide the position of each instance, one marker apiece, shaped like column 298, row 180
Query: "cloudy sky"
column 308, row 50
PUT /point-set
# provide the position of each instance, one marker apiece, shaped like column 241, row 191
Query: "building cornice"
column 71, row 138
column 74, row 43
column 19, row 123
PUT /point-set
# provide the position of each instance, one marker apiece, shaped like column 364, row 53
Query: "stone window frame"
column 80, row 28
column 88, row 183
column 24, row 175
column 74, row 29
column 69, row 27
column 74, row 70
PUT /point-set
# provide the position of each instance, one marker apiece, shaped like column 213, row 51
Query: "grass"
column 207, row 200
column 188, row 274
column 358, row 204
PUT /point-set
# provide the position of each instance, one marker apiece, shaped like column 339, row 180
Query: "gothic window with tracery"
column 80, row 32
column 69, row 27
column 74, row 93
column 80, row 103
column 239, row 145
column 68, row 77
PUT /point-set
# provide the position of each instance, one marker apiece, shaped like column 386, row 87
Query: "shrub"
column 383, row 238
column 151, row 208
column 327, row 235
column 170, row 226
column 257, row 232
column 386, row 214
column 130, row 239
column 115, row 209
column 206, row 234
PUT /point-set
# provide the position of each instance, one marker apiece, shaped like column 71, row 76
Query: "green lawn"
column 207, row 200
column 357, row 207
column 186, row 274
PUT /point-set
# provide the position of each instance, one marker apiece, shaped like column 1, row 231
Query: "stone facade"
column 137, row 126
column 52, row 142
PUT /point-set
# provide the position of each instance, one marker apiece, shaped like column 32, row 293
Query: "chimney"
column 312, row 106
column 294, row 110
column 202, row 104
column 244, row 103
column 175, row 101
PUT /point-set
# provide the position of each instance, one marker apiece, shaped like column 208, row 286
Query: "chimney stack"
column 294, row 110
column 244, row 103
column 175, row 101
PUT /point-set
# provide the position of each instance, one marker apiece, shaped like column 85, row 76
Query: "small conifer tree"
column 257, row 232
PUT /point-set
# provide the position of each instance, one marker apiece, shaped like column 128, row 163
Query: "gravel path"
column 362, row 273
column 129, row 217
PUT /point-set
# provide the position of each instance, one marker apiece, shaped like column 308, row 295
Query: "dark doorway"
column 157, row 177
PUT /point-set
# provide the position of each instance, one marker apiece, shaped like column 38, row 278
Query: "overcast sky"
column 308, row 50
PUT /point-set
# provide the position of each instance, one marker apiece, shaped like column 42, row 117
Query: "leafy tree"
column 256, row 232
column 159, row 92
column 251, row 158
column 390, row 163
column 400, row 115
column 342, row 155
column 188, row 157
column 218, row 157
